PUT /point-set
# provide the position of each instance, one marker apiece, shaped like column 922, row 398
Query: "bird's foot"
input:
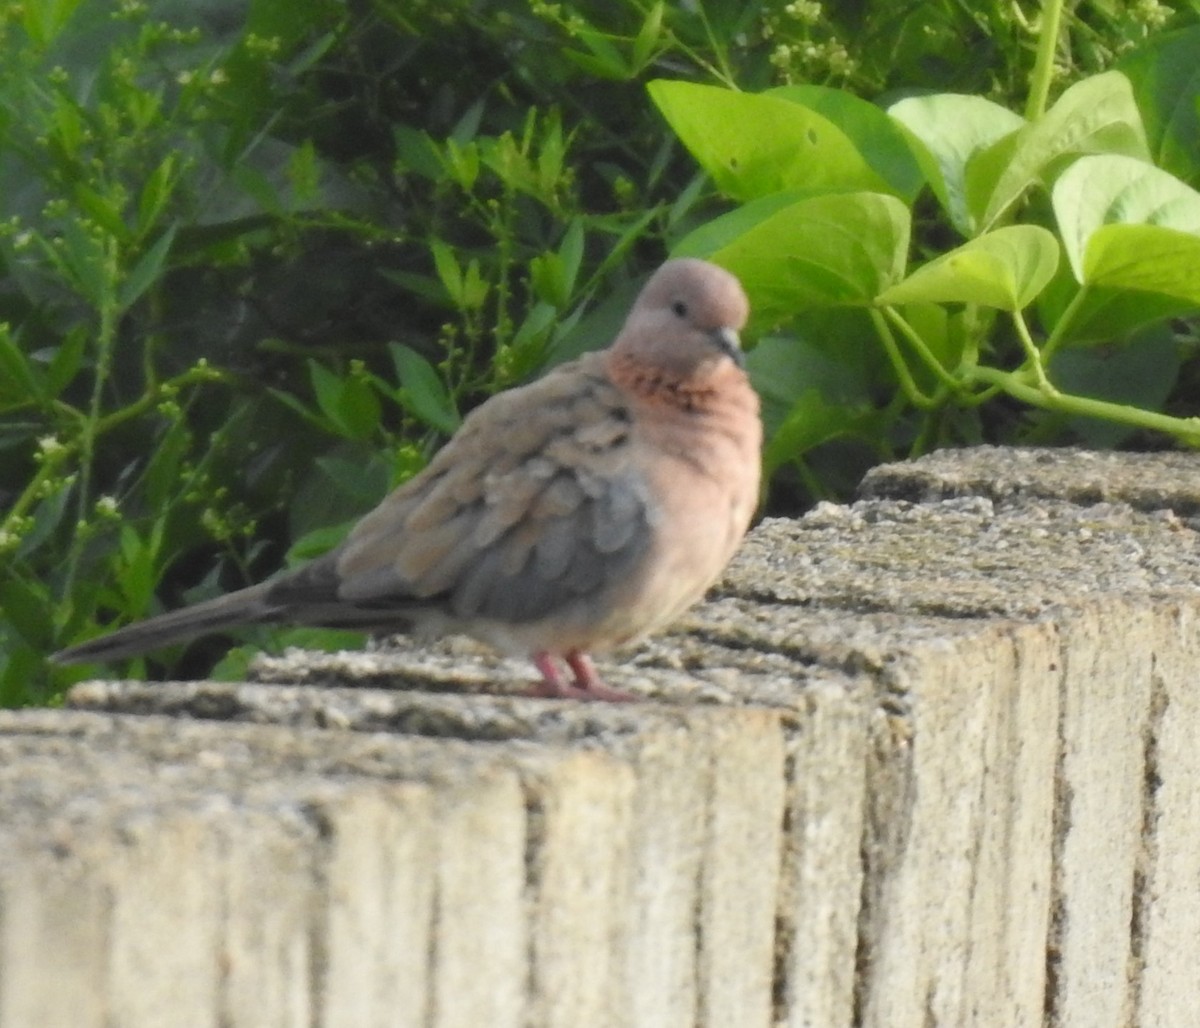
column 588, row 685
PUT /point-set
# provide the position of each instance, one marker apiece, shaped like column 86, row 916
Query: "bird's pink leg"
column 552, row 685
column 589, row 682
column 587, row 685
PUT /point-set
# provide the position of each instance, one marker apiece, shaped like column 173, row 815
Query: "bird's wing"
column 536, row 502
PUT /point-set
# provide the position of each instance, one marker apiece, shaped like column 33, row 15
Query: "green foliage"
column 990, row 309
column 258, row 258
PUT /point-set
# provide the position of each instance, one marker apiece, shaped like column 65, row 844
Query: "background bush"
column 259, row 257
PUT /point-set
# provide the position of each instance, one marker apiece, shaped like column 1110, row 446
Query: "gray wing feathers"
column 528, row 574
column 548, row 509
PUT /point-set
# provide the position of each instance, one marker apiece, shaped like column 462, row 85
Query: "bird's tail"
column 247, row 606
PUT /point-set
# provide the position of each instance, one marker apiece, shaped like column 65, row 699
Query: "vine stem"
column 903, row 375
column 923, row 351
column 1185, row 429
column 1043, row 66
column 1033, row 356
column 106, row 335
column 91, row 430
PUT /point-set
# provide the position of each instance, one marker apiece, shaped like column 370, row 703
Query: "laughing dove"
column 574, row 514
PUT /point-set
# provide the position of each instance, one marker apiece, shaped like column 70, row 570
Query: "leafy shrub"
column 258, row 258
column 1052, row 260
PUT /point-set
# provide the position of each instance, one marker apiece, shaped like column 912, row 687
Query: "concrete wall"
column 925, row 760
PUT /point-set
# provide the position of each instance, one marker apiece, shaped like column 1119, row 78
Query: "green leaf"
column 551, row 152
column 475, row 288
column 1006, row 269
column 726, row 229
column 1097, row 115
column 417, row 152
column 943, row 335
column 341, row 484
column 304, row 173
column 810, row 422
column 462, row 162
column 147, row 270
column 19, row 378
column 548, row 280
column 317, row 542
column 288, row 400
column 1107, row 190
column 85, row 262
column 46, row 19
column 571, row 252
column 830, row 250
column 1103, row 315
column 139, row 568
column 1165, row 74
column 67, row 360
column 259, row 187
column 553, row 275
column 605, row 59
column 448, row 271
column 101, row 209
column 830, row 350
column 1141, row 372
column 47, row 516
column 423, row 391
column 349, row 477
column 358, row 409
column 349, row 403
column 648, row 36
column 947, row 130
column 25, row 604
column 1145, row 257
column 164, row 468
column 756, row 144
column 876, row 136
column 156, row 193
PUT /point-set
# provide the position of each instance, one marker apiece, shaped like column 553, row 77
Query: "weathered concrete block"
column 924, row 759
column 640, row 908
column 1165, row 924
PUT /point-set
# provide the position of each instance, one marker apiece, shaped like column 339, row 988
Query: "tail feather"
column 247, row 606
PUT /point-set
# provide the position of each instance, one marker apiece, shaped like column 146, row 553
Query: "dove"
column 572, row 515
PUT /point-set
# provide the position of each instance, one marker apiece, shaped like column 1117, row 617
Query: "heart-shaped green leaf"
column 945, row 131
column 1165, row 75
column 1114, row 190
column 1145, row 257
column 1096, row 115
column 1005, row 269
column 756, row 144
column 821, row 251
column 876, row 136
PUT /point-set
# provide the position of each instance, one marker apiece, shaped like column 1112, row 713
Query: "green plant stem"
column 723, row 73
column 923, row 351
column 93, row 430
column 32, row 492
column 903, row 375
column 1043, row 66
column 1033, row 355
column 923, row 442
column 106, row 338
column 1185, row 429
column 148, row 401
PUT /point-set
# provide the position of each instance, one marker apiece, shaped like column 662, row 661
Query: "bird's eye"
column 680, row 308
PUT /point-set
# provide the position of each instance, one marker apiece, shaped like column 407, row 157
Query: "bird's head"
column 686, row 320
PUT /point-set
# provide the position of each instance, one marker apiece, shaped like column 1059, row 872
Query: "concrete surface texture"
column 923, row 760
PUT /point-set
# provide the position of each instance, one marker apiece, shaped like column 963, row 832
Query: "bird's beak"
column 726, row 340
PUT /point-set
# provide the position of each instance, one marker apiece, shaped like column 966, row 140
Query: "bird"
column 571, row 515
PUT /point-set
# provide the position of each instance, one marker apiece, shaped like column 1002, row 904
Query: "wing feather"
column 536, row 502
